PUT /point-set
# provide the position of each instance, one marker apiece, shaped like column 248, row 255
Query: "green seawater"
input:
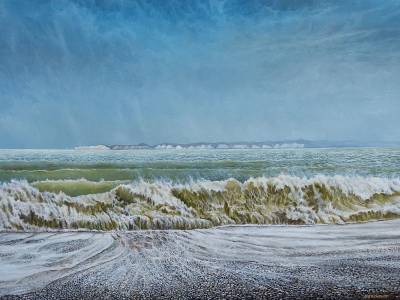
column 186, row 165
column 186, row 189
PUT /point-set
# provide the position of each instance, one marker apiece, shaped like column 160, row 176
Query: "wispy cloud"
column 88, row 72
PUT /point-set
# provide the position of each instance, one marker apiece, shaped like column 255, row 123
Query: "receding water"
column 267, row 262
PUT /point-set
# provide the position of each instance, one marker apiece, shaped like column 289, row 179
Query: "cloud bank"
column 121, row 72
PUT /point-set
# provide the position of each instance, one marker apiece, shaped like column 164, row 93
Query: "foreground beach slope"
column 323, row 261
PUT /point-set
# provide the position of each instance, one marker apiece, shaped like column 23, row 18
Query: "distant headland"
column 290, row 144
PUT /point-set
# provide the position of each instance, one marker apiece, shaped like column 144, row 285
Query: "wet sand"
column 360, row 261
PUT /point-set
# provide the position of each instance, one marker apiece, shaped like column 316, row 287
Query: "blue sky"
column 91, row 72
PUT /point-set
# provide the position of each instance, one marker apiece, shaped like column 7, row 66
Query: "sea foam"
column 201, row 203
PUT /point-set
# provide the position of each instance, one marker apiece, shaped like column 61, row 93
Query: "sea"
column 93, row 189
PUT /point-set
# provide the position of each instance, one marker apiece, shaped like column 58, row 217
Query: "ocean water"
column 196, row 188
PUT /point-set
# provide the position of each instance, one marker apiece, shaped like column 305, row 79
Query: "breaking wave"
column 198, row 204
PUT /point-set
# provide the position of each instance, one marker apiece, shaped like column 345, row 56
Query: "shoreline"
column 361, row 261
column 83, row 230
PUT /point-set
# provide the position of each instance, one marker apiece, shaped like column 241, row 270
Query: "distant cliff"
column 291, row 144
column 239, row 145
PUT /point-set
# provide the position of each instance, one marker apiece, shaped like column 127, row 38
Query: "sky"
column 130, row 71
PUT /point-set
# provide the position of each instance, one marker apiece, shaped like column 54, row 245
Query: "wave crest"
column 199, row 204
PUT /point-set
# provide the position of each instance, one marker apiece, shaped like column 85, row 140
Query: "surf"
column 162, row 204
